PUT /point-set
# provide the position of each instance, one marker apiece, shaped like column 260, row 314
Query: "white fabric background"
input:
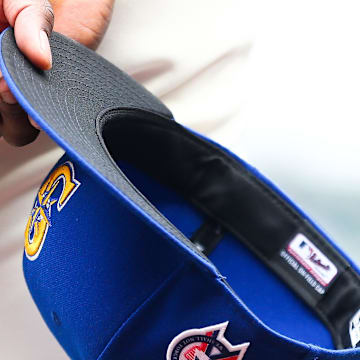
column 277, row 82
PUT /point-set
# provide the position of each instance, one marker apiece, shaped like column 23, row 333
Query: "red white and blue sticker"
column 208, row 343
column 310, row 263
column 318, row 264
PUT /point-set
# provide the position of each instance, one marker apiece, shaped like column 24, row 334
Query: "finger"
column 5, row 93
column 15, row 126
column 34, row 123
column 33, row 21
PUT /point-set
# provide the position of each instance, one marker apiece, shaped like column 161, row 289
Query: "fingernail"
column 45, row 46
column 34, row 123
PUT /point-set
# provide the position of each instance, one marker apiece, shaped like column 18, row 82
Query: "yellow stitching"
column 40, row 217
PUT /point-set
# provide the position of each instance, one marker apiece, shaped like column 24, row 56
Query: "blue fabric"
column 110, row 286
column 192, row 298
column 267, row 295
column 99, row 262
column 262, row 291
column 319, row 354
column 179, row 211
column 109, row 273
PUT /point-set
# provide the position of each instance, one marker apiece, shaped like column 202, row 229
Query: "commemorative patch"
column 208, row 343
column 63, row 179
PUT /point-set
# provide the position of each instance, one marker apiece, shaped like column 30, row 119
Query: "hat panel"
column 97, row 263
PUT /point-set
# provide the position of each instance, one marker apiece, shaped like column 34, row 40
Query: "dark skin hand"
column 33, row 20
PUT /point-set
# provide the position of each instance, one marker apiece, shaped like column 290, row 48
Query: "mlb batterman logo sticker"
column 63, row 178
column 208, row 343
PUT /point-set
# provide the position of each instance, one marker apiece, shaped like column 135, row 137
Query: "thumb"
column 33, row 21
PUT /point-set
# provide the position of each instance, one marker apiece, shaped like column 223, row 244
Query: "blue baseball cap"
column 149, row 241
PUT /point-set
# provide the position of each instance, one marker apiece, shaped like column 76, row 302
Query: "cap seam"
column 140, row 308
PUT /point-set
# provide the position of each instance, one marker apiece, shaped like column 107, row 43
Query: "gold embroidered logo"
column 40, row 217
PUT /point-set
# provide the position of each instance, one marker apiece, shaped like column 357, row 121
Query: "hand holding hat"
column 33, row 21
